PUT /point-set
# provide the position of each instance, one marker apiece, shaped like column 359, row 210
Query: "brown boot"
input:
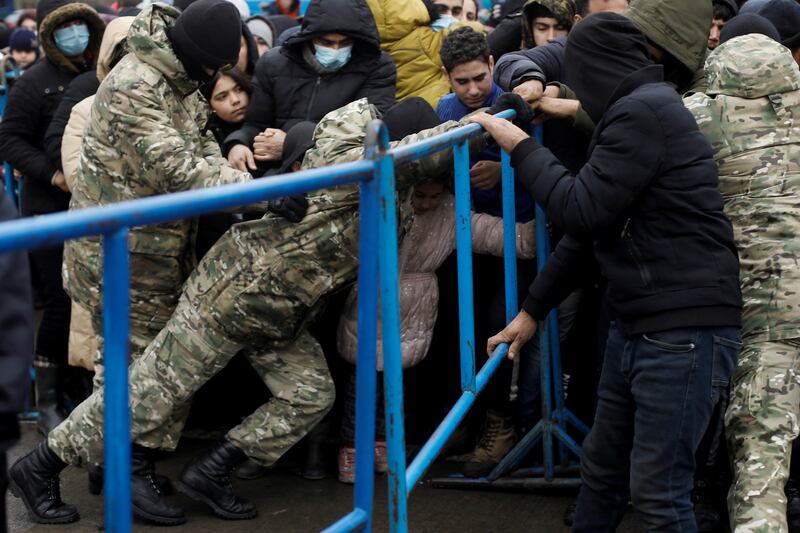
column 497, row 439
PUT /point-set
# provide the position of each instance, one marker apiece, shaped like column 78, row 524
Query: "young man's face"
column 713, row 34
column 449, row 7
column 472, row 82
column 427, row 197
column 545, row 29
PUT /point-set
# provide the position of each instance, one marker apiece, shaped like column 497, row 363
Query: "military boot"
column 793, row 505
column 96, row 479
column 48, row 400
column 149, row 502
column 207, row 479
column 34, row 479
column 495, row 442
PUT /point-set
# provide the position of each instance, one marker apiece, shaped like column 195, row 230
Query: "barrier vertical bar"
column 390, row 322
column 509, row 237
column 466, row 308
column 366, row 374
column 116, row 285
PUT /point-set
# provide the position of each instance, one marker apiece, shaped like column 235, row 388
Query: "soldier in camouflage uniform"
column 750, row 115
column 146, row 137
column 255, row 290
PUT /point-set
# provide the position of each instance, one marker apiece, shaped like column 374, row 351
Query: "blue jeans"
column 655, row 400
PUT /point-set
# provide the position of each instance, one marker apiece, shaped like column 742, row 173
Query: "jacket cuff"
column 528, row 76
column 523, row 150
column 535, row 308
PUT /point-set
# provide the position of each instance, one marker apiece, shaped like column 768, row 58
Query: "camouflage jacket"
column 751, row 115
column 145, row 137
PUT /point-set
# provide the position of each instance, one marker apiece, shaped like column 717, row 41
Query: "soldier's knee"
column 327, row 395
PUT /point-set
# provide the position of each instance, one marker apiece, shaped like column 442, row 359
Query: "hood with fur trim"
column 59, row 16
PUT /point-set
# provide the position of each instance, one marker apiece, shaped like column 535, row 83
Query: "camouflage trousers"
column 146, row 321
column 186, row 354
column 761, row 423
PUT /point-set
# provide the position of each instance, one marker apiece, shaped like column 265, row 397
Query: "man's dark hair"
column 582, row 7
column 723, row 12
column 463, row 45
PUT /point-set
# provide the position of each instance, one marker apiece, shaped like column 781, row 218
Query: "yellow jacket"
column 405, row 34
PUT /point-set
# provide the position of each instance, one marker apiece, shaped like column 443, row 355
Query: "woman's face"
column 228, row 100
column 28, row 24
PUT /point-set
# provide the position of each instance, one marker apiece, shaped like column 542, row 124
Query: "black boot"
column 793, row 505
column 207, row 479
column 148, row 500
column 314, row 467
column 48, row 402
column 34, row 479
column 96, row 483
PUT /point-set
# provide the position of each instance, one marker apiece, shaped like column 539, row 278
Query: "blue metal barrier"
column 377, row 274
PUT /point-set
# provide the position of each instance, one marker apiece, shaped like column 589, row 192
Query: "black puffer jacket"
column 648, row 201
column 33, row 101
column 289, row 89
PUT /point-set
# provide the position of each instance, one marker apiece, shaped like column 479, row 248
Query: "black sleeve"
column 543, row 63
column 379, row 89
column 18, row 130
column 81, row 87
column 627, row 155
column 260, row 114
column 559, row 277
column 16, row 325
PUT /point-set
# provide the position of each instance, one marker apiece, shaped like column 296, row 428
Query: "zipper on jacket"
column 313, row 97
column 633, row 249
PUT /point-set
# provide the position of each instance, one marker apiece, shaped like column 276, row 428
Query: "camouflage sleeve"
column 438, row 164
column 160, row 146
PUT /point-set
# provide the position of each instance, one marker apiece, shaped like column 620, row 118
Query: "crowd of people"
column 669, row 169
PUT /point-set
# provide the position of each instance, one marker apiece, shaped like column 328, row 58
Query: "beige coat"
column 430, row 240
column 116, row 32
column 82, row 340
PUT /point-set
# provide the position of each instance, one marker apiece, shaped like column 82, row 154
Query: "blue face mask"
column 443, row 22
column 332, row 58
column 72, row 40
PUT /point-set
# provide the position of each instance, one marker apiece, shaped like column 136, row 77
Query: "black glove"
column 292, row 208
column 513, row 101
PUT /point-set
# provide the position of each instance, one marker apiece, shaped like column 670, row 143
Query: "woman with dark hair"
column 228, row 95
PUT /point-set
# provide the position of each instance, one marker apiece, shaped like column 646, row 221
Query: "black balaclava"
column 748, row 23
column 207, row 34
column 299, row 139
column 412, row 115
column 601, row 51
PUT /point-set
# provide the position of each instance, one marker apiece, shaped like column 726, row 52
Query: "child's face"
column 23, row 59
column 427, row 197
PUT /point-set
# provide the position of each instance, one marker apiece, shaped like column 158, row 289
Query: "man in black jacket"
column 16, row 325
column 30, row 108
column 648, row 204
column 333, row 60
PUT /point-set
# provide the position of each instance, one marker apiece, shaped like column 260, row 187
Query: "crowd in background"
column 669, row 169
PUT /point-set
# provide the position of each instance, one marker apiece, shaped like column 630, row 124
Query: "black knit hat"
column 209, row 33
column 412, row 115
column 748, row 23
column 783, row 14
column 299, row 139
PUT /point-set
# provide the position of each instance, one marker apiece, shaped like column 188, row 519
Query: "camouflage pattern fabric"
column 144, row 138
column 750, row 116
column 761, row 424
column 255, row 290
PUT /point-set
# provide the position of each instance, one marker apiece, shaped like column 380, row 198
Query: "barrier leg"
column 466, row 307
column 392, row 362
column 116, row 284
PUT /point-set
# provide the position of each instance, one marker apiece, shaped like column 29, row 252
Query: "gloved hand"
column 513, row 101
column 292, row 208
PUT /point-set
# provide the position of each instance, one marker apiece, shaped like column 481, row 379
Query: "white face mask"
column 443, row 22
column 332, row 58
